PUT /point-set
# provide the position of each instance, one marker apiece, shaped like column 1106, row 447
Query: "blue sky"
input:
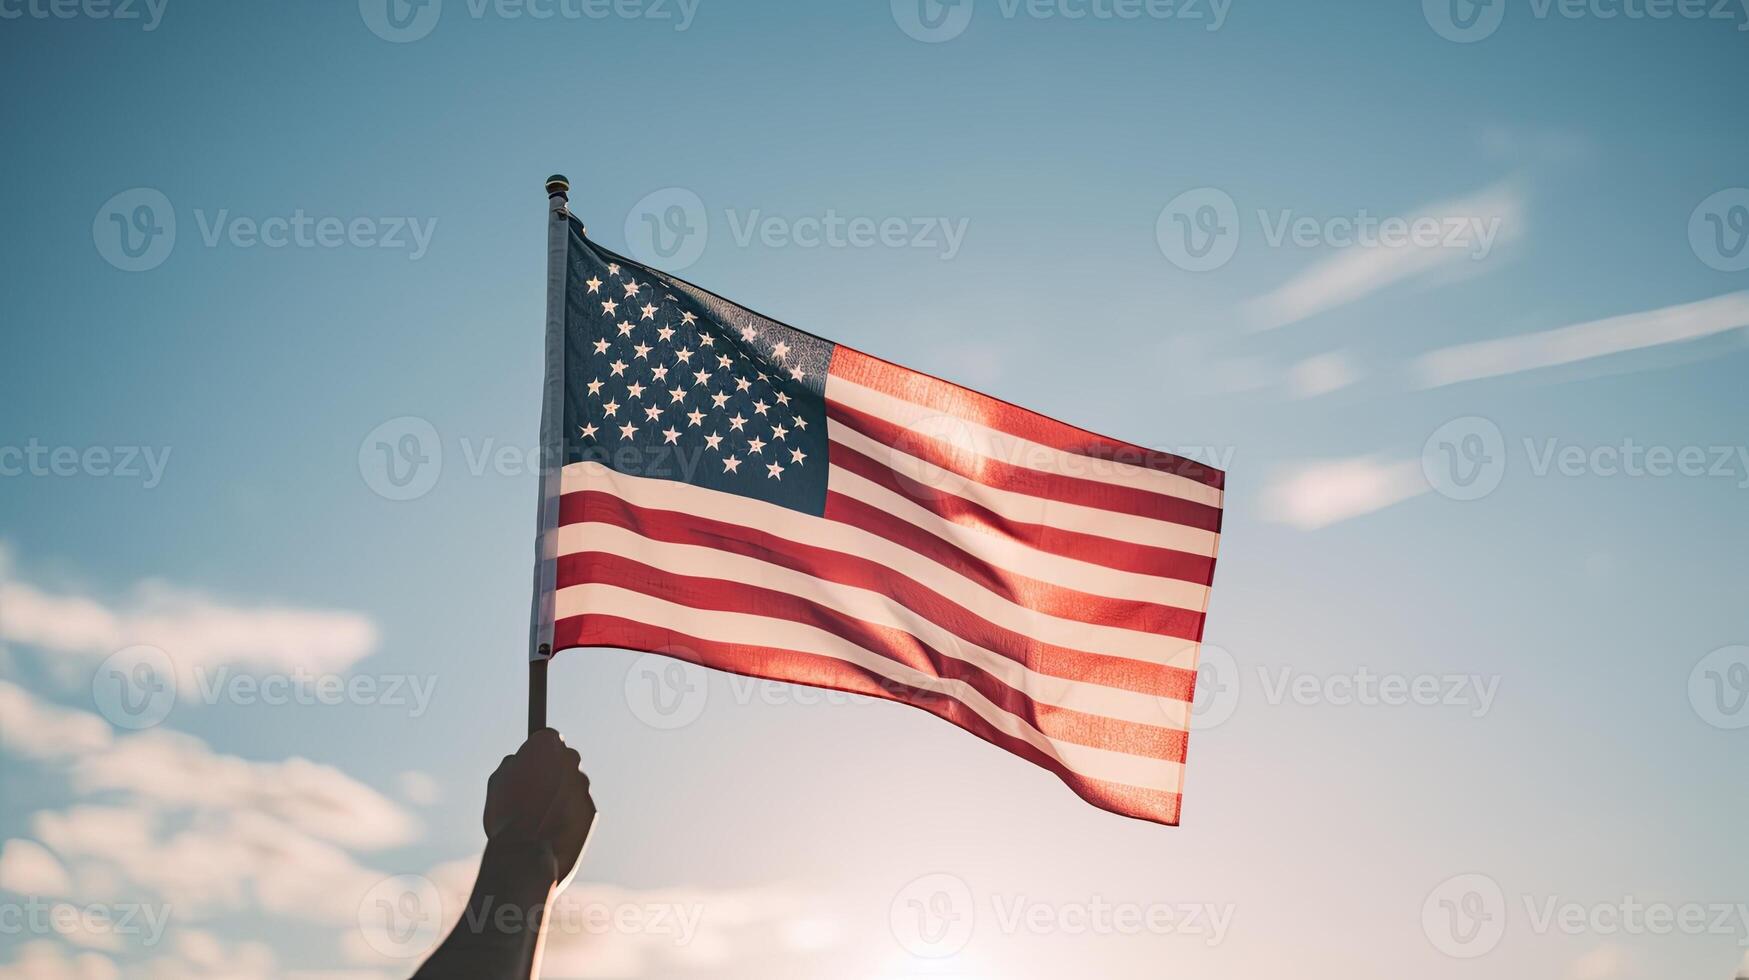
column 1456, row 294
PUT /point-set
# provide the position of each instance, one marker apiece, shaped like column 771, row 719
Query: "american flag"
column 749, row 497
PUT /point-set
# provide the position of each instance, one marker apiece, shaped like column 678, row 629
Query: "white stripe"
column 881, row 610
column 745, row 628
column 994, row 444
column 1025, row 507
column 817, row 532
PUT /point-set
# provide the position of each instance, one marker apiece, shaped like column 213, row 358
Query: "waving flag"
column 746, row 496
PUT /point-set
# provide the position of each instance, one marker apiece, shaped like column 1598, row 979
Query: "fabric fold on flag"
column 749, row 497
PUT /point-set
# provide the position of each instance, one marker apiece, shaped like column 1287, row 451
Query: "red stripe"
column 1052, row 600
column 827, row 672
column 1020, row 479
column 672, row 526
column 1122, row 555
column 950, row 399
column 1082, row 728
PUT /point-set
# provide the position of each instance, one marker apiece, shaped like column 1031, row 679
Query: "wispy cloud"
column 1583, row 341
column 1322, row 374
column 195, row 630
column 1466, row 231
column 1318, row 494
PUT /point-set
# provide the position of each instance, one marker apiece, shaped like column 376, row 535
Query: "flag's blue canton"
column 664, row 380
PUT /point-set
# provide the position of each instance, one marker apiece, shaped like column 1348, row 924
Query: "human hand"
column 540, row 796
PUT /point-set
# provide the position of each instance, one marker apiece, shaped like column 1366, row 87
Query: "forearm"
column 500, row 931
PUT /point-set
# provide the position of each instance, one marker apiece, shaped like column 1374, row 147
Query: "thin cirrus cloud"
column 1583, row 341
column 1468, row 232
column 1317, row 494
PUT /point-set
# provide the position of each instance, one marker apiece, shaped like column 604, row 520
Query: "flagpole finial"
column 558, row 185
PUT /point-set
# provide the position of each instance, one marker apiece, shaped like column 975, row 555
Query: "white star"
column 683, row 355
column 601, row 347
column 649, row 312
column 666, row 333
column 796, row 456
column 801, row 423
column 627, row 430
column 723, row 361
column 618, row 367
column 748, row 333
column 676, row 394
column 737, row 422
column 759, row 406
column 742, row 384
column 796, row 373
column 702, row 376
column 632, row 288
column 756, row 445
column 695, row 417
column 589, row 431
column 773, row 471
column 613, row 268
column 711, row 441
column 594, row 284
column 653, row 413
column 642, row 350
column 687, row 318
column 782, row 399
column 706, row 340
column 731, row 464
column 719, row 399
column 635, row 389
column 780, row 351
column 778, row 431
column 671, row 436
column 608, row 306
column 625, row 328
column 611, row 408
column 595, row 387
column 660, row 371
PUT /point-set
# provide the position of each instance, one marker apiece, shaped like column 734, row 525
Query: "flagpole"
column 552, row 450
